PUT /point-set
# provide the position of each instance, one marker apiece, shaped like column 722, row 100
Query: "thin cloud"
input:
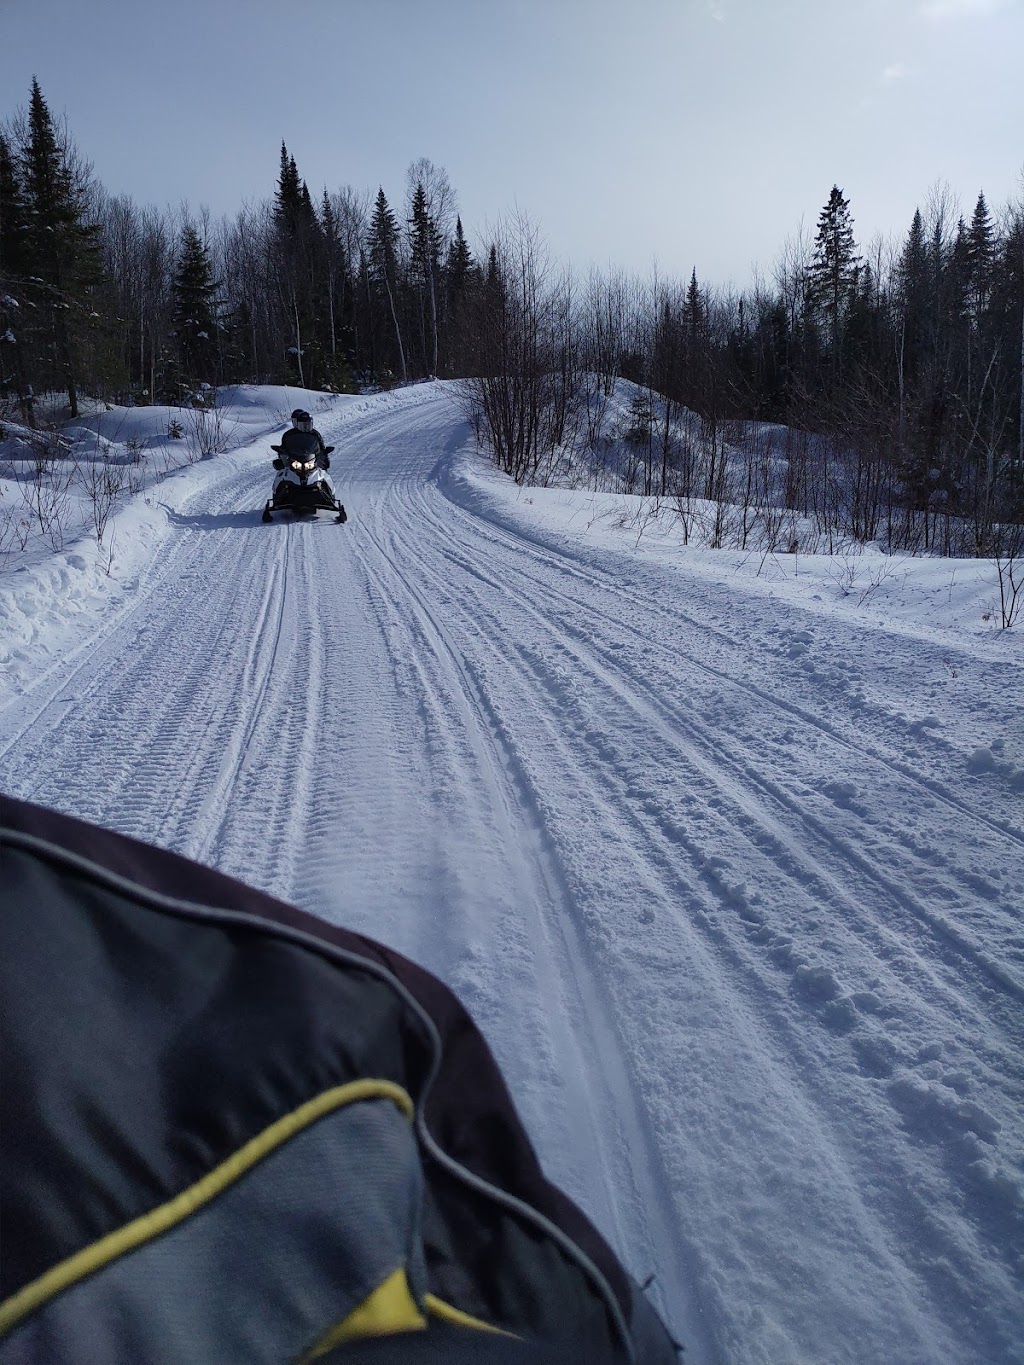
column 717, row 10
column 897, row 71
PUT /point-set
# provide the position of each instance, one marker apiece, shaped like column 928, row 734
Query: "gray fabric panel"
column 263, row 1270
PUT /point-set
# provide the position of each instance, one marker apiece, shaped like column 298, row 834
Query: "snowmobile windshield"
column 302, row 443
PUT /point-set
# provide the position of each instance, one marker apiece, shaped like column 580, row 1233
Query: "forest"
column 877, row 391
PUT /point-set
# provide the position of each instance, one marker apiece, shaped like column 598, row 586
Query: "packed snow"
column 723, row 850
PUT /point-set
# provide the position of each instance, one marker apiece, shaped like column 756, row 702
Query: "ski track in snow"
column 746, row 939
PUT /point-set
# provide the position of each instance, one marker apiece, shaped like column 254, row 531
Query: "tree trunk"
column 433, row 323
column 398, row 330
column 298, row 342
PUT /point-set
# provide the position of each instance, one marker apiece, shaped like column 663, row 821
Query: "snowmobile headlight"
column 310, row 464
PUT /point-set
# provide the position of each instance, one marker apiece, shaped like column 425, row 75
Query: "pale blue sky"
column 686, row 132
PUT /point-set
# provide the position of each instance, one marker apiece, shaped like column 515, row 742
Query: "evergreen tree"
column 336, row 364
column 382, row 259
column 425, row 251
column 694, row 387
column 832, row 276
column 460, row 277
column 12, row 213
column 60, row 248
column 297, row 252
column 981, row 253
column 955, row 278
column 195, row 313
column 495, row 290
column 12, row 235
column 911, row 297
column 912, row 270
column 458, row 266
column 1007, row 307
column 493, row 279
column 288, row 196
column 694, row 309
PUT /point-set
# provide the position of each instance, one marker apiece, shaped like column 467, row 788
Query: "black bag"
column 231, row 1132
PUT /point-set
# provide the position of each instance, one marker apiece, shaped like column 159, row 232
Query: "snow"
column 724, row 851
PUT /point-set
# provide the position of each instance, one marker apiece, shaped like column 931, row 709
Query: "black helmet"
column 301, row 420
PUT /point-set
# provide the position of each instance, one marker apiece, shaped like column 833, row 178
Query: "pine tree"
column 337, row 370
column 832, row 276
column 460, row 275
column 425, row 247
column 957, row 272
column 195, row 313
column 981, row 255
column 382, row 259
column 494, row 281
column 12, row 213
column 288, row 196
column 12, row 231
column 694, row 348
column 298, row 252
column 459, row 261
column 1006, row 307
column 912, row 271
column 694, row 308
column 60, row 248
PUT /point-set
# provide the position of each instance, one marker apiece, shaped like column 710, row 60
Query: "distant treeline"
column 906, row 361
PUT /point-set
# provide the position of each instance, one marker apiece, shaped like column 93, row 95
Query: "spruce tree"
column 832, row 276
column 981, row 255
column 336, row 366
column 425, row 250
column 297, row 248
column 382, row 258
column 494, row 281
column 459, row 261
column 957, row 273
column 60, row 248
column 912, row 271
column 195, row 313
column 12, row 214
column 695, row 359
column 12, row 233
column 288, row 196
column 460, row 273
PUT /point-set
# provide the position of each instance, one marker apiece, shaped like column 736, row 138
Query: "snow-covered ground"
column 724, row 852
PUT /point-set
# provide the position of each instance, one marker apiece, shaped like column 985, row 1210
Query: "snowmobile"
column 301, row 485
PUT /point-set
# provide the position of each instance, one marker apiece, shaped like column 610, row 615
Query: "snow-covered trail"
column 740, row 919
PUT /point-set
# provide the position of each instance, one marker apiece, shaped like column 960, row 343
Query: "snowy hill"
column 723, row 850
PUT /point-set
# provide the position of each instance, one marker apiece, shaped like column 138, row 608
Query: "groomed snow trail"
column 743, row 929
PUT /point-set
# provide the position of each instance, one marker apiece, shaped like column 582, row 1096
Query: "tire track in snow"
column 570, row 971
column 940, row 925
column 670, row 720
column 649, row 609
column 706, row 963
column 530, row 794
column 669, row 716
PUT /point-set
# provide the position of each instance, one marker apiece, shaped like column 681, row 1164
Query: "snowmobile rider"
column 291, row 445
